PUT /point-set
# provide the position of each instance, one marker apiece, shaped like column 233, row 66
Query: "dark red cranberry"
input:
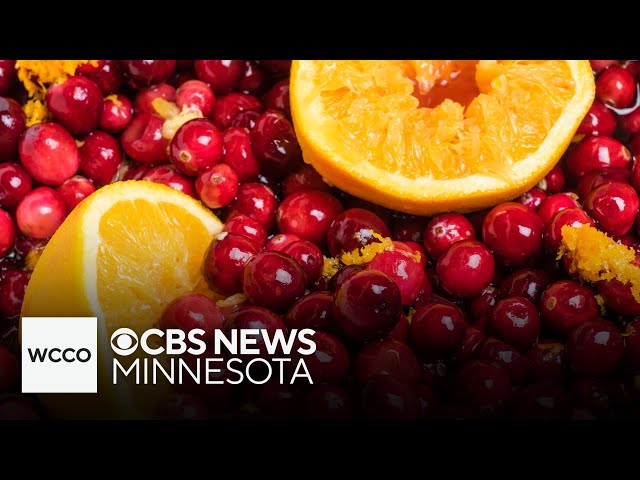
column 484, row 386
column 481, row 306
column 618, row 297
column 630, row 123
column 196, row 146
column 598, row 121
column 554, row 181
column 616, row 87
column 221, row 75
column 386, row 398
column 329, row 363
column 252, row 79
column 225, row 260
column 592, row 153
column 341, row 275
column 514, row 233
column 228, row 107
column 25, row 245
column 309, row 256
column 600, row 65
column 401, row 331
column 403, row 269
column 633, row 67
column 445, row 230
column 574, row 217
column 195, row 94
column 278, row 97
column 595, row 347
column 471, row 345
column 416, row 250
column 108, row 77
column 117, row 112
column 352, row 229
column 8, row 76
column 246, row 119
column 7, row 233
column 135, row 171
column 595, row 178
column 74, row 190
column 142, row 140
column 614, row 205
column 436, row 329
column 193, row 310
column 409, row 228
column 167, row 175
column 329, row 402
column 516, row 321
column 566, row 304
column 305, row 177
column 41, row 212
column 533, row 198
column 100, row 157
column 554, row 204
column 631, row 357
column 247, row 227
column 15, row 183
column 9, row 370
column 238, row 154
column 217, row 186
column 308, row 214
column 542, row 401
column 12, row 124
column 13, row 286
column 277, row 67
column 434, row 373
column 259, row 318
column 367, row 306
column 143, row 73
column 278, row 242
column 76, row 104
column 634, row 145
column 465, row 269
column 515, row 363
column 273, row 280
column 387, row 357
column 548, row 361
column 256, row 201
column 527, row 282
column 314, row 311
column 145, row 98
column 275, row 145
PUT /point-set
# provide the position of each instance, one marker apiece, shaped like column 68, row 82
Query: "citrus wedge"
column 425, row 136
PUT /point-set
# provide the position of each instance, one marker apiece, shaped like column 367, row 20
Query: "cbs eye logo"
column 124, row 341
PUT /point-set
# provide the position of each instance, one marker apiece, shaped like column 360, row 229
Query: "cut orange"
column 425, row 136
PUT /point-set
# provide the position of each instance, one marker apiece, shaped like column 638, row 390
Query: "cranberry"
column 217, row 186
column 533, row 198
column 614, row 205
column 600, row 65
column 516, row 321
column 273, row 280
column 228, row 107
column 278, row 242
column 355, row 202
column 166, row 175
column 221, row 75
column 314, row 311
column 41, row 212
column 618, row 297
column 436, row 329
column 330, row 361
column 142, row 140
column 7, row 233
column 144, row 99
column 630, row 123
column 481, row 306
column 514, row 362
column 305, row 177
column 225, row 260
column 116, row 113
column 74, row 190
column 352, row 229
column 76, row 104
column 566, row 304
column 259, row 318
column 195, row 94
column 308, row 214
column 9, row 370
column 548, row 361
column 196, row 146
column 193, row 310
column 277, row 67
column 434, row 373
column 274, row 144
column 465, row 269
column 401, row 331
column 147, row 72
column 471, row 345
column 108, row 77
column 15, row 183
column 595, row 347
column 387, row 357
column 445, row 230
column 554, row 204
column 329, row 402
column 592, row 153
column 527, row 282
column 247, row 227
column 634, row 144
column 238, row 154
column 595, row 178
column 256, row 201
column 633, row 67
column 12, row 124
column 408, row 228
column 598, row 121
column 574, row 217
column 367, row 306
column 484, row 386
column 246, row 119
column 542, row 401
column 252, row 79
column 616, row 87
column 341, row 275
column 402, row 268
column 278, row 97
column 309, row 256
column 386, row 398
column 13, row 286
column 100, row 157
column 8, row 76
column 514, row 233
column 25, row 245
column 281, row 401
column 414, row 249
column 135, row 172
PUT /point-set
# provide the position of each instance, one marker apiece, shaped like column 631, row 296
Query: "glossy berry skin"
column 566, row 304
column 252, row 79
column 329, row 402
column 193, row 310
column 278, row 97
column 484, row 386
column 341, row 275
column 12, row 124
column 116, row 114
column 76, row 104
column 196, row 146
column 409, row 229
column 309, row 256
column 554, row 181
column 195, row 94
column 352, row 229
column 466, row 268
column 598, row 121
column 49, row 153
column 224, row 262
column 514, row 233
column 574, row 217
column 15, row 183
column 166, row 175
column 308, row 214
column 616, row 87
column 599, row 66
column 74, row 190
column 387, row 357
column 8, row 76
column 329, row 363
column 220, row 75
column 595, row 347
column 143, row 73
column 481, row 306
column 278, row 242
column 142, row 140
column 256, row 201
column 384, row 397
column 618, row 297
column 595, row 178
column 548, row 361
column 533, row 198
column 273, row 280
column 630, row 123
column 230, row 106
column 238, row 154
column 526, row 282
column 508, row 357
column 247, row 227
column 592, row 153
column 7, row 233
column 367, row 306
column 100, row 157
column 41, row 212
column 516, row 321
column 254, row 317
column 614, row 205
column 314, row 311
column 13, row 286
column 145, row 98
column 471, row 344
column 554, row 204
column 275, row 144
column 217, row 186
column 445, row 230
column 403, row 269
column 436, row 329
column 108, row 77
column 305, row 177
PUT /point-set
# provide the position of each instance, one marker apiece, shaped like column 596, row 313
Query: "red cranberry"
column 436, row 329
column 598, row 121
column 100, row 157
column 238, row 154
column 7, row 233
column 314, row 311
column 387, row 357
column 367, row 306
column 166, row 175
column 274, row 144
column 41, row 212
column 409, row 229
column 246, row 119
column 514, row 362
column 305, row 177
column 144, row 99
column 252, row 79
column 633, row 67
column 308, row 214
column 484, row 386
column 595, row 178
column 401, row 331
column 76, row 104
column 217, row 186
column 533, row 198
column 574, row 217
column 12, row 124
column 465, row 269
column 247, row 227
column 117, row 112
column 566, row 304
column 548, row 361
column 527, row 282
column 278, row 242
column 554, row 181
column 631, row 357
column 330, row 361
column 352, row 229
column 634, row 145
column 193, row 310
column 25, row 245
column 225, row 260
column 403, row 269
column 630, row 123
column 108, row 77
column 228, row 107
column 355, row 202
column 9, row 370
column 256, row 201
column 74, row 190
column 618, row 297
column 386, row 398
column 614, row 205
column 592, row 153
column 471, row 345
column 8, row 76
column 142, row 140
column 516, row 321
column 273, row 280
column 195, row 94
column 309, row 256
column 542, row 401
column 135, row 172
column 616, row 87
column 600, row 65
column 221, row 75
column 554, row 204
column 445, row 230
column 196, row 146
column 414, row 249
column 595, row 347
column 253, row 317
column 329, row 402
column 481, row 306
column 341, row 275
column 147, row 72
column 278, row 97
column 514, row 233
column 15, row 183
column 277, row 67
column 13, row 286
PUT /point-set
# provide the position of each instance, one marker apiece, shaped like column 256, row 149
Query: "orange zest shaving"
column 114, row 98
column 235, row 299
column 174, row 118
column 330, row 266
column 365, row 254
column 35, row 111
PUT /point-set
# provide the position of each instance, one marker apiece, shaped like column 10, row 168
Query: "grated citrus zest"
column 629, row 330
column 235, row 299
column 330, row 266
column 365, row 254
column 35, row 111
column 114, row 98
column 601, row 303
column 412, row 311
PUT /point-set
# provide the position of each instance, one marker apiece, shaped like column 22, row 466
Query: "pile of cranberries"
column 460, row 317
